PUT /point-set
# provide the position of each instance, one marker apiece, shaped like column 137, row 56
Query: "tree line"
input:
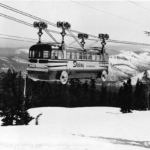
column 14, row 104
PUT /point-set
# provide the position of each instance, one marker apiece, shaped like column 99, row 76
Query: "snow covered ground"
column 87, row 128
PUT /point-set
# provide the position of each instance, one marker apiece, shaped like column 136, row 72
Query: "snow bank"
column 92, row 128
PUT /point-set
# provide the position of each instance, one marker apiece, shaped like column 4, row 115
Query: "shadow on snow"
column 145, row 144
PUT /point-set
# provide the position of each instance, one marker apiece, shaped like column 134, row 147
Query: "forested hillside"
column 73, row 94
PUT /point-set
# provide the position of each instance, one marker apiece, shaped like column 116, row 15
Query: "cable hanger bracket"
column 82, row 36
column 103, row 37
column 41, row 26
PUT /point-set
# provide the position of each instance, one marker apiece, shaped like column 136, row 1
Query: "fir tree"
column 126, row 98
column 140, row 97
column 103, row 95
column 92, row 92
column 13, row 110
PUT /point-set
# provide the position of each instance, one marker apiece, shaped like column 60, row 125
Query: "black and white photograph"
column 74, row 75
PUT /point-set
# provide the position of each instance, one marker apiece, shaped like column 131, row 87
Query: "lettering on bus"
column 76, row 64
column 90, row 66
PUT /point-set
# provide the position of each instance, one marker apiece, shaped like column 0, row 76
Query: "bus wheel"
column 64, row 77
column 104, row 75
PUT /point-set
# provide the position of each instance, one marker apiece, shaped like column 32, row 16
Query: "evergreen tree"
column 92, row 92
column 85, row 87
column 129, row 95
column 13, row 110
column 140, row 97
column 126, row 97
column 104, row 95
column 146, row 80
column 120, row 95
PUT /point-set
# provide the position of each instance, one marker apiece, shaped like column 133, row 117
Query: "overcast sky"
column 122, row 20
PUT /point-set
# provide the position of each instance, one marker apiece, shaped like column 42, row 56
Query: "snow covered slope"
column 17, row 58
column 145, row 55
column 88, row 128
column 128, row 64
column 134, row 79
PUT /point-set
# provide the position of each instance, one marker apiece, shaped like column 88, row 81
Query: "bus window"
column 89, row 56
column 97, row 57
column 84, row 55
column 54, row 54
column 45, row 54
column 74, row 55
column 93, row 57
column 30, row 54
column 80, row 55
column 101, row 57
column 77, row 55
column 106, row 57
column 60, row 54
column 36, row 54
column 69, row 56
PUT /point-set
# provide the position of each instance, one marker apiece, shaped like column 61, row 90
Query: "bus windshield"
column 39, row 54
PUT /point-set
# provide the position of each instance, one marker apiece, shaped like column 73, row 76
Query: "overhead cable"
column 37, row 18
column 56, row 32
column 17, row 39
column 110, row 13
column 26, row 14
column 25, row 23
column 139, row 5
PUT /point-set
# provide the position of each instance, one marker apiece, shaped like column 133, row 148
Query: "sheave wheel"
column 104, row 75
column 64, row 77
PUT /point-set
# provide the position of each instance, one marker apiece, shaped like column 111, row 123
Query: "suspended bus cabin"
column 51, row 62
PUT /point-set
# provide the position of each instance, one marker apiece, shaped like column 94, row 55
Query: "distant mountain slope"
column 121, row 66
column 16, row 62
column 13, row 57
column 134, row 79
column 128, row 64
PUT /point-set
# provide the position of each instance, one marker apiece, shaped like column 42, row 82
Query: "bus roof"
column 49, row 46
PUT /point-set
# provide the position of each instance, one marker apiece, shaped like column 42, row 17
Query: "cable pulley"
column 83, row 36
column 64, row 25
column 41, row 26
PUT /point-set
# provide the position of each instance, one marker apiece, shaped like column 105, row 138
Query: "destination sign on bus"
column 76, row 64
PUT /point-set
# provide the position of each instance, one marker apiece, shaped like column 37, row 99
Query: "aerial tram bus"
column 56, row 61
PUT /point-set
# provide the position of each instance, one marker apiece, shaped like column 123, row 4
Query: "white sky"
column 82, row 18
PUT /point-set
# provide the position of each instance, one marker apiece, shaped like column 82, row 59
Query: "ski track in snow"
column 89, row 128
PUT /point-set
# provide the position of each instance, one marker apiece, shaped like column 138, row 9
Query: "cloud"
column 21, row 50
column 146, row 49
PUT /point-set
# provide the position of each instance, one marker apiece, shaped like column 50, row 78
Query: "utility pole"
column 25, row 77
column 24, row 93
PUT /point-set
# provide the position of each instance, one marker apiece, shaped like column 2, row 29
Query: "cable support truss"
column 75, row 39
column 50, row 35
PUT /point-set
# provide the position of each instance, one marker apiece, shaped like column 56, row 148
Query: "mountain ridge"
column 125, row 64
